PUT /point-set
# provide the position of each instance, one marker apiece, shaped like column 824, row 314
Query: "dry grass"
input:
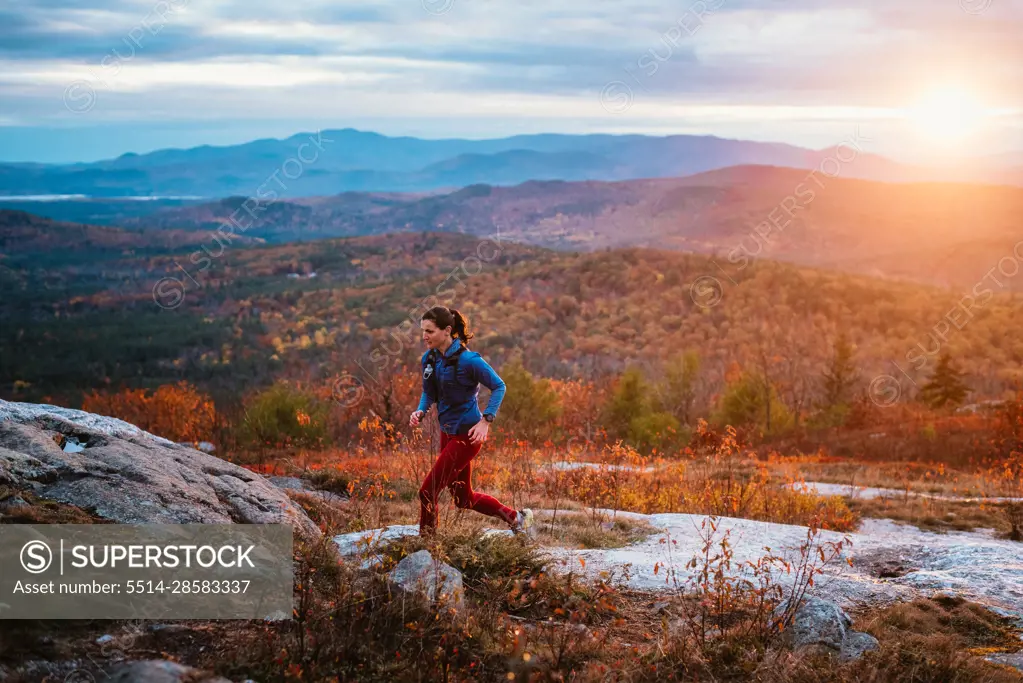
column 915, row 477
column 941, row 639
column 936, row 515
column 571, row 529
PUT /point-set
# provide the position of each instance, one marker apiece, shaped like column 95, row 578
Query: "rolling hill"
column 949, row 234
column 24, row 236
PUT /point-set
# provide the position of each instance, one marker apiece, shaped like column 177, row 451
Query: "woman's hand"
column 416, row 416
column 479, row 431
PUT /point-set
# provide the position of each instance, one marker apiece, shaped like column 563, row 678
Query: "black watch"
column 488, row 418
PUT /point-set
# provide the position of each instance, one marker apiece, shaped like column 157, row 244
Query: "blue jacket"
column 457, row 405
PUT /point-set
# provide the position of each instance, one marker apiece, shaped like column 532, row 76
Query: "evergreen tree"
column 840, row 375
column 946, row 386
column 751, row 400
column 630, row 400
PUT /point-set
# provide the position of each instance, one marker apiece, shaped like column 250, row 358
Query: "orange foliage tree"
column 174, row 411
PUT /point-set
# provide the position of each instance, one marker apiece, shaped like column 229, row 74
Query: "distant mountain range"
column 337, row 161
column 941, row 233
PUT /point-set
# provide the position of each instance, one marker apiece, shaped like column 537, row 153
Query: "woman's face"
column 433, row 336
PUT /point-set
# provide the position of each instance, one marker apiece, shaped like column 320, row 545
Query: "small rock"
column 276, row 616
column 857, row 644
column 13, row 501
column 419, row 572
column 822, row 626
column 160, row 671
column 817, row 622
column 70, row 671
column 1015, row 659
column 167, row 628
column 360, row 541
column 288, row 483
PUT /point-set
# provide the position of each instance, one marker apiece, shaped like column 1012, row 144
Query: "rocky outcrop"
column 122, row 473
column 891, row 562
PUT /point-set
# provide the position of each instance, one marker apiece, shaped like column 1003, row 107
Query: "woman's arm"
column 484, row 374
column 425, row 402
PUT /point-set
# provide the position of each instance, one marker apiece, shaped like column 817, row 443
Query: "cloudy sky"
column 89, row 79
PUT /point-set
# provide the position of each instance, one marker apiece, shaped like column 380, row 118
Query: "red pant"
column 453, row 470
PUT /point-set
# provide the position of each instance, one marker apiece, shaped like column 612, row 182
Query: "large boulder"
column 421, row 573
column 122, row 473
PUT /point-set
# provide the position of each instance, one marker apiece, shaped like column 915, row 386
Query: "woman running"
column 452, row 375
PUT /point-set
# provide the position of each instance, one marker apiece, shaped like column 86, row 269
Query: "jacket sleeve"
column 427, row 399
column 485, row 375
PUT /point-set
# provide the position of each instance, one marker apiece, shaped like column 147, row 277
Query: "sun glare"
column 948, row 115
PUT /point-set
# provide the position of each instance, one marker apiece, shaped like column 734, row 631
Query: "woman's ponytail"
column 460, row 326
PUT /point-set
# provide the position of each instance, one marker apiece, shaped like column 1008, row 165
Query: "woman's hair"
column 443, row 317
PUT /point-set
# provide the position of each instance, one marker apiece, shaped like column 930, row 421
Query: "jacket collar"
column 454, row 347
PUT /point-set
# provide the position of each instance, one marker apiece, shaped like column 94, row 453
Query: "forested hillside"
column 315, row 311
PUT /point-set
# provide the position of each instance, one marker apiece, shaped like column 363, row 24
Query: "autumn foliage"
column 177, row 412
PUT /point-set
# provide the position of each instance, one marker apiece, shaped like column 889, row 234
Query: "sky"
column 919, row 79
